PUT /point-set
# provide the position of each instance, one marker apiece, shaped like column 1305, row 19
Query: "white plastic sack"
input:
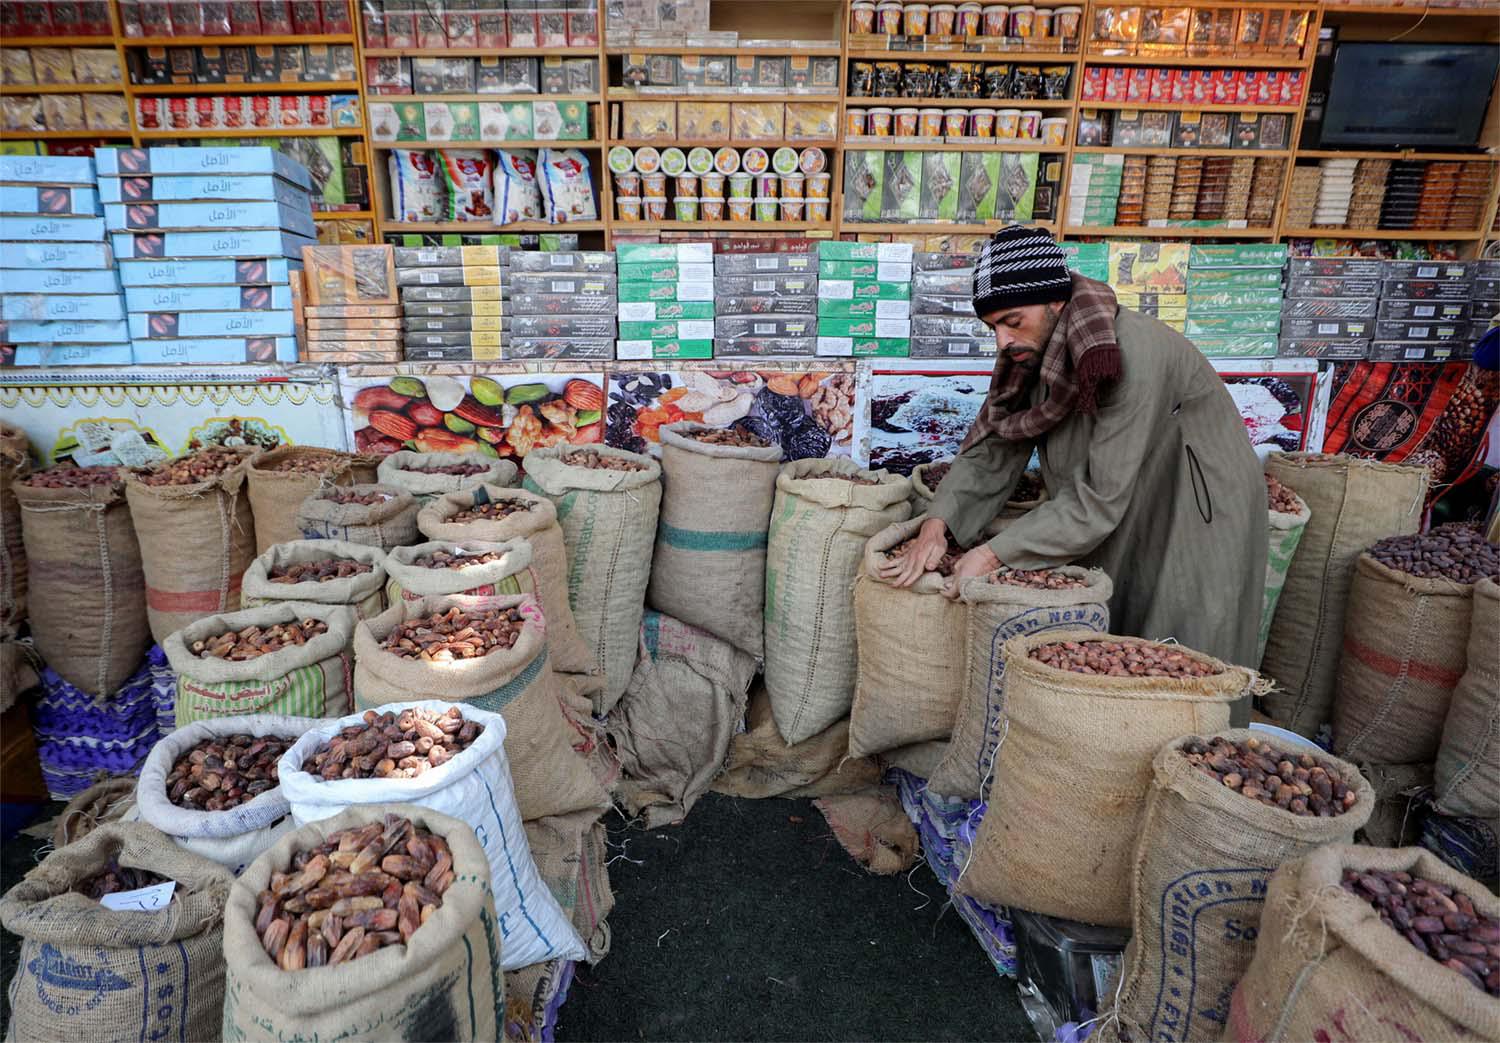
column 567, row 192
column 517, row 195
column 233, row 838
column 417, row 192
column 473, row 787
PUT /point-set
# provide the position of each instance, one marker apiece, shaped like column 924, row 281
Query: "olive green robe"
column 1159, row 488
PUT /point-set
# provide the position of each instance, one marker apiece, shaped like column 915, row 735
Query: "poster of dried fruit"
column 916, row 418
column 502, row 414
column 807, row 413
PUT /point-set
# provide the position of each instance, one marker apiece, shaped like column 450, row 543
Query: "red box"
column 1139, row 87
column 373, row 23
column 262, row 112
column 1196, row 88
column 307, row 17
column 1270, row 88
column 1180, row 78
column 1246, row 86
column 179, row 113
column 276, row 17
column 524, row 28
column 462, row 30
column 431, row 30
column 1224, row 84
column 1115, row 83
column 1291, row 87
column 65, row 17
column 336, row 17
column 205, row 115
column 400, row 29
column 148, row 113
column 244, row 18
column 289, row 111
column 235, row 111
column 215, row 17
column 1161, row 84
column 187, row 17
column 33, row 19
column 95, row 18
column 1093, row 84
column 317, row 110
column 489, row 27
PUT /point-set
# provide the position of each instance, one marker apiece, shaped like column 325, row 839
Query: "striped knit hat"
column 1019, row 266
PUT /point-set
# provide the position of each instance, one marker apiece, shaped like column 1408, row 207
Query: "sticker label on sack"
column 142, row 899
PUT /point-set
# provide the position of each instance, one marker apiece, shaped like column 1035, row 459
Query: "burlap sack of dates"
column 1401, row 791
column 911, row 659
column 88, row 593
column 475, row 788
column 1353, row 503
column 1326, row 966
column 570, row 854
column 709, row 565
column 403, row 470
column 1468, row 761
column 389, row 524
column 763, row 764
column 1197, row 888
column 15, row 461
column 533, row 997
column 232, row 838
column 1284, row 530
column 86, row 972
column 364, row 593
column 307, row 680
column 1405, row 642
column 608, row 519
column 196, row 543
column 673, row 727
column 444, row 984
column 550, row 778
column 549, row 556
column 510, row 575
column 922, row 493
column 920, row 759
column 275, row 494
column 1072, row 769
column 819, row 527
column 998, row 612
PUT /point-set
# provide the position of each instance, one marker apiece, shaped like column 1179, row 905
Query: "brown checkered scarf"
column 1081, row 355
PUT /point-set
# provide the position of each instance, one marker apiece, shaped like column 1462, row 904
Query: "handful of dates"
column 349, row 496
column 1299, row 783
column 455, row 634
column 1037, row 579
column 394, row 746
column 1458, row 552
column 1438, row 920
column 223, row 773
column 202, row 466
column 320, row 571
column 599, row 462
column 457, row 470
column 494, row 511
column 441, row 559
column 66, row 477
column 1120, row 659
column 253, row 641
column 730, row 436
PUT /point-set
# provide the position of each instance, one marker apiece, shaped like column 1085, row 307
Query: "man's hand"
column 923, row 556
column 977, row 562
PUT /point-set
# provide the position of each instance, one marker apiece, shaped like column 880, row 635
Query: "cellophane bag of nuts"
column 911, row 655
column 1468, row 761
column 1213, row 831
column 495, row 514
column 88, row 604
column 374, row 515
column 15, row 460
column 189, row 790
column 1327, row 963
column 323, row 572
column 1353, row 503
column 514, row 681
column 1006, row 604
column 825, row 511
column 1074, row 764
column 470, row 780
column 607, row 503
column 280, row 479
column 196, row 534
column 291, row 659
column 87, row 972
column 571, row 856
column 362, row 980
column 430, row 475
column 1286, row 519
column 708, row 568
column 1406, row 638
column 1030, row 493
column 471, row 567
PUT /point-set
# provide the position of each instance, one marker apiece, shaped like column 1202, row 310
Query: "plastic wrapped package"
column 417, row 188
column 517, row 196
column 106, row 112
column 567, row 191
column 468, row 176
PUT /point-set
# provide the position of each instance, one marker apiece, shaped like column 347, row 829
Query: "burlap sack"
column 1353, row 503
column 364, row 593
column 308, row 680
column 387, row 525
column 88, row 594
column 1072, row 768
column 922, row 494
column 1326, row 967
column 443, row 984
column 920, row 759
column 911, row 653
column 608, row 520
column 507, row 577
column 673, row 727
column 1285, row 534
column 571, row 857
column 276, row 495
column 232, row 838
column 402, row 471
column 709, row 566
column 818, row 531
column 763, row 764
column 997, row 613
column 1401, row 793
column 1405, row 642
column 549, row 556
column 1197, row 884
column 364, row 467
column 86, row 972
column 533, row 997
column 109, row 800
column 550, row 778
column 15, row 460
column 1468, row 761
column 196, row 543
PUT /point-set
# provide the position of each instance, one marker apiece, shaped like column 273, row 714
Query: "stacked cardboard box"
column 206, row 239
column 1091, row 260
column 1329, row 307
column 656, row 282
column 563, row 294
column 1152, row 279
column 1486, row 302
column 1425, row 311
column 856, row 282
column 1094, row 189
column 352, row 313
column 767, row 298
column 943, row 323
column 1234, row 298
column 452, row 301
column 60, row 301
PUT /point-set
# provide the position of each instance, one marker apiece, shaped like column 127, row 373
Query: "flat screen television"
column 1408, row 95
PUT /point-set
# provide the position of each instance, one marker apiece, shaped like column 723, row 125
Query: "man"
column 1149, row 472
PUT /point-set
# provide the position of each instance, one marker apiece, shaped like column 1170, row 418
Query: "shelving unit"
column 112, row 42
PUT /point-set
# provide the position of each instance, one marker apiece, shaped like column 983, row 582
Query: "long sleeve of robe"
column 1159, row 488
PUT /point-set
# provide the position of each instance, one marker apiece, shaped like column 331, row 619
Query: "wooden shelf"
column 769, row 146
column 958, row 103
column 1150, row 150
column 60, row 135
column 59, row 41
column 476, row 52
column 480, row 228
column 1268, row 62
column 1153, row 232
column 997, row 145
column 484, row 143
column 618, row 226
column 951, row 55
column 404, row 98
column 1185, row 106
column 933, row 228
column 254, row 132
column 830, row 50
column 350, row 215
column 63, row 88
column 701, row 94
column 147, row 90
column 229, row 40
column 1461, row 157
column 1418, row 234
column 1387, row 10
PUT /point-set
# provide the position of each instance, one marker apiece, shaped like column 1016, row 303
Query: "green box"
column 861, row 328
column 940, row 178
column 648, row 291
column 518, row 125
column 672, row 348
column 645, row 253
column 1097, row 272
column 677, row 310
column 1206, row 279
column 1236, row 346
column 881, row 291
column 661, row 329
column 1233, row 323
column 1237, row 255
column 836, row 250
column 866, row 308
column 1076, row 254
column 662, row 271
column 1234, row 300
column 848, row 269
column 877, row 348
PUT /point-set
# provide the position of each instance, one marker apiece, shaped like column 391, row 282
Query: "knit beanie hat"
column 1020, row 266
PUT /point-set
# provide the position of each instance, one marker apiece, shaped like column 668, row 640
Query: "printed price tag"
column 141, row 900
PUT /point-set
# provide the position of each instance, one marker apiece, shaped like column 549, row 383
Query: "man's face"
column 1021, row 333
